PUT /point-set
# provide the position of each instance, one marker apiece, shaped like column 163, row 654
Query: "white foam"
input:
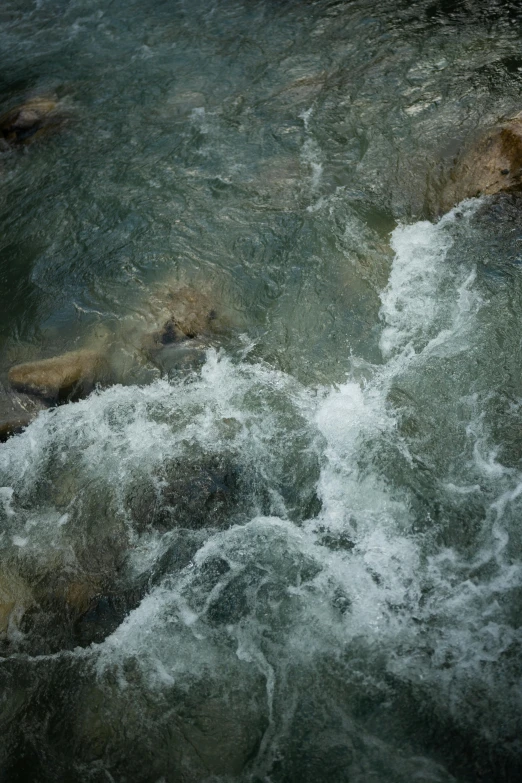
column 413, row 302
column 311, row 152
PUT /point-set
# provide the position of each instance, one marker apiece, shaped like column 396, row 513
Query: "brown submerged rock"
column 191, row 315
column 69, row 376
column 492, row 165
column 22, row 124
column 185, row 314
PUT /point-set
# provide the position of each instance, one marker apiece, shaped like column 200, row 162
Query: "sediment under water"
column 294, row 555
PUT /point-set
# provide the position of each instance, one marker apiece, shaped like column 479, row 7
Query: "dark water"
column 294, row 553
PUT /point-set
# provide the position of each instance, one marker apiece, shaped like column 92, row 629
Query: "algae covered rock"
column 25, row 122
column 70, row 375
column 492, row 164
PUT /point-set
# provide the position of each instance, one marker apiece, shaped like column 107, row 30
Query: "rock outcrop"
column 492, row 164
column 69, row 376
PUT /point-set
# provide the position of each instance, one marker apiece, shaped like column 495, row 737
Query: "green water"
column 297, row 551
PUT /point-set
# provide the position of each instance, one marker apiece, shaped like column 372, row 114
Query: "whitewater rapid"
column 366, row 569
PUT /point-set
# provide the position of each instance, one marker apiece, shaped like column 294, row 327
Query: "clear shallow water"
column 300, row 561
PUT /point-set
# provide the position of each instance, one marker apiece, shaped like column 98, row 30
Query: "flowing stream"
column 291, row 553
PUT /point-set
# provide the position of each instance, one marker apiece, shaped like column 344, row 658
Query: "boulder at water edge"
column 68, row 376
column 491, row 165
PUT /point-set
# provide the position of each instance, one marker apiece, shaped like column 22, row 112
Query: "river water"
column 303, row 546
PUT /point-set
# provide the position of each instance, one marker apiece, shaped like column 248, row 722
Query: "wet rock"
column 169, row 331
column 179, row 358
column 300, row 89
column 48, row 623
column 15, row 598
column 16, row 412
column 187, row 314
column 24, row 123
column 74, row 609
column 208, row 725
column 492, row 165
column 104, row 613
column 79, row 594
column 204, row 499
column 69, row 376
column 187, row 495
column 185, row 320
column 78, row 612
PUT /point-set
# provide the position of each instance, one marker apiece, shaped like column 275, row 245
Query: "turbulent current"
column 291, row 552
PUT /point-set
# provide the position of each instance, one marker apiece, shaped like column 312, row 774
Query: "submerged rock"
column 169, row 330
column 16, row 412
column 58, row 592
column 208, row 723
column 186, row 314
column 78, row 612
column 23, row 123
column 15, row 598
column 191, row 495
column 183, row 322
column 492, row 165
column 104, row 613
column 68, row 376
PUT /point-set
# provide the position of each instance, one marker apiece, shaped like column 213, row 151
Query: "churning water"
column 298, row 557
